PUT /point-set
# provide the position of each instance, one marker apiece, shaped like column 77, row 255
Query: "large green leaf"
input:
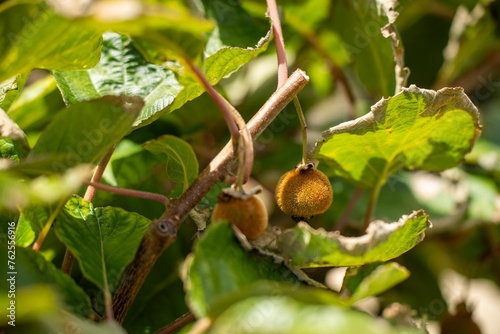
column 122, row 70
column 90, row 130
column 306, row 247
column 416, row 128
column 32, row 268
column 182, row 165
column 32, row 35
column 104, row 240
column 279, row 314
column 371, row 280
column 220, row 267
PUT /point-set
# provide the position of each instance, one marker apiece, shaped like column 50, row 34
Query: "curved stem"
column 235, row 123
column 303, row 126
column 371, row 205
column 278, row 41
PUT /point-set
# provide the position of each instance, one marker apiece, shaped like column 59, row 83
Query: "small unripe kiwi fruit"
column 304, row 192
column 245, row 211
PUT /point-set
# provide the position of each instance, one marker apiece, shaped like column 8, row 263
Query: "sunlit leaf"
column 416, row 128
column 371, row 280
column 306, row 247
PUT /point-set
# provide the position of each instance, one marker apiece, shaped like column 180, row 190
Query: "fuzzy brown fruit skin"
column 249, row 215
column 303, row 193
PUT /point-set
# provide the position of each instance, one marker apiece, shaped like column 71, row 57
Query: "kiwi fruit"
column 304, row 192
column 245, row 211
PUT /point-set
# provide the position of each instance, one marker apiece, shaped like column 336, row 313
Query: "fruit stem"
column 371, row 205
column 303, row 126
column 236, row 124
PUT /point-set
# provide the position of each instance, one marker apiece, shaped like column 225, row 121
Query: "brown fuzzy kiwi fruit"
column 304, row 192
column 246, row 211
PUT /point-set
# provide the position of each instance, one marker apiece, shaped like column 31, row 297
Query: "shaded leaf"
column 182, row 165
column 104, row 240
column 416, row 128
column 307, row 248
column 471, row 39
column 371, row 280
column 90, row 130
column 33, row 269
column 371, row 53
column 286, row 315
column 219, row 267
column 29, row 28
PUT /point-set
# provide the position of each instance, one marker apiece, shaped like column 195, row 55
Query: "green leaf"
column 90, row 130
column 219, row 267
column 32, row 35
column 37, row 105
column 182, row 165
column 31, row 222
column 235, row 27
column 307, row 248
column 104, row 240
column 416, row 128
column 286, row 315
column 371, row 53
column 10, row 89
column 122, row 70
column 33, row 269
column 371, row 280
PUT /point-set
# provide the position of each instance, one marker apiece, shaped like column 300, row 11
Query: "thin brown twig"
column 130, row 192
column 162, row 233
column 178, row 323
